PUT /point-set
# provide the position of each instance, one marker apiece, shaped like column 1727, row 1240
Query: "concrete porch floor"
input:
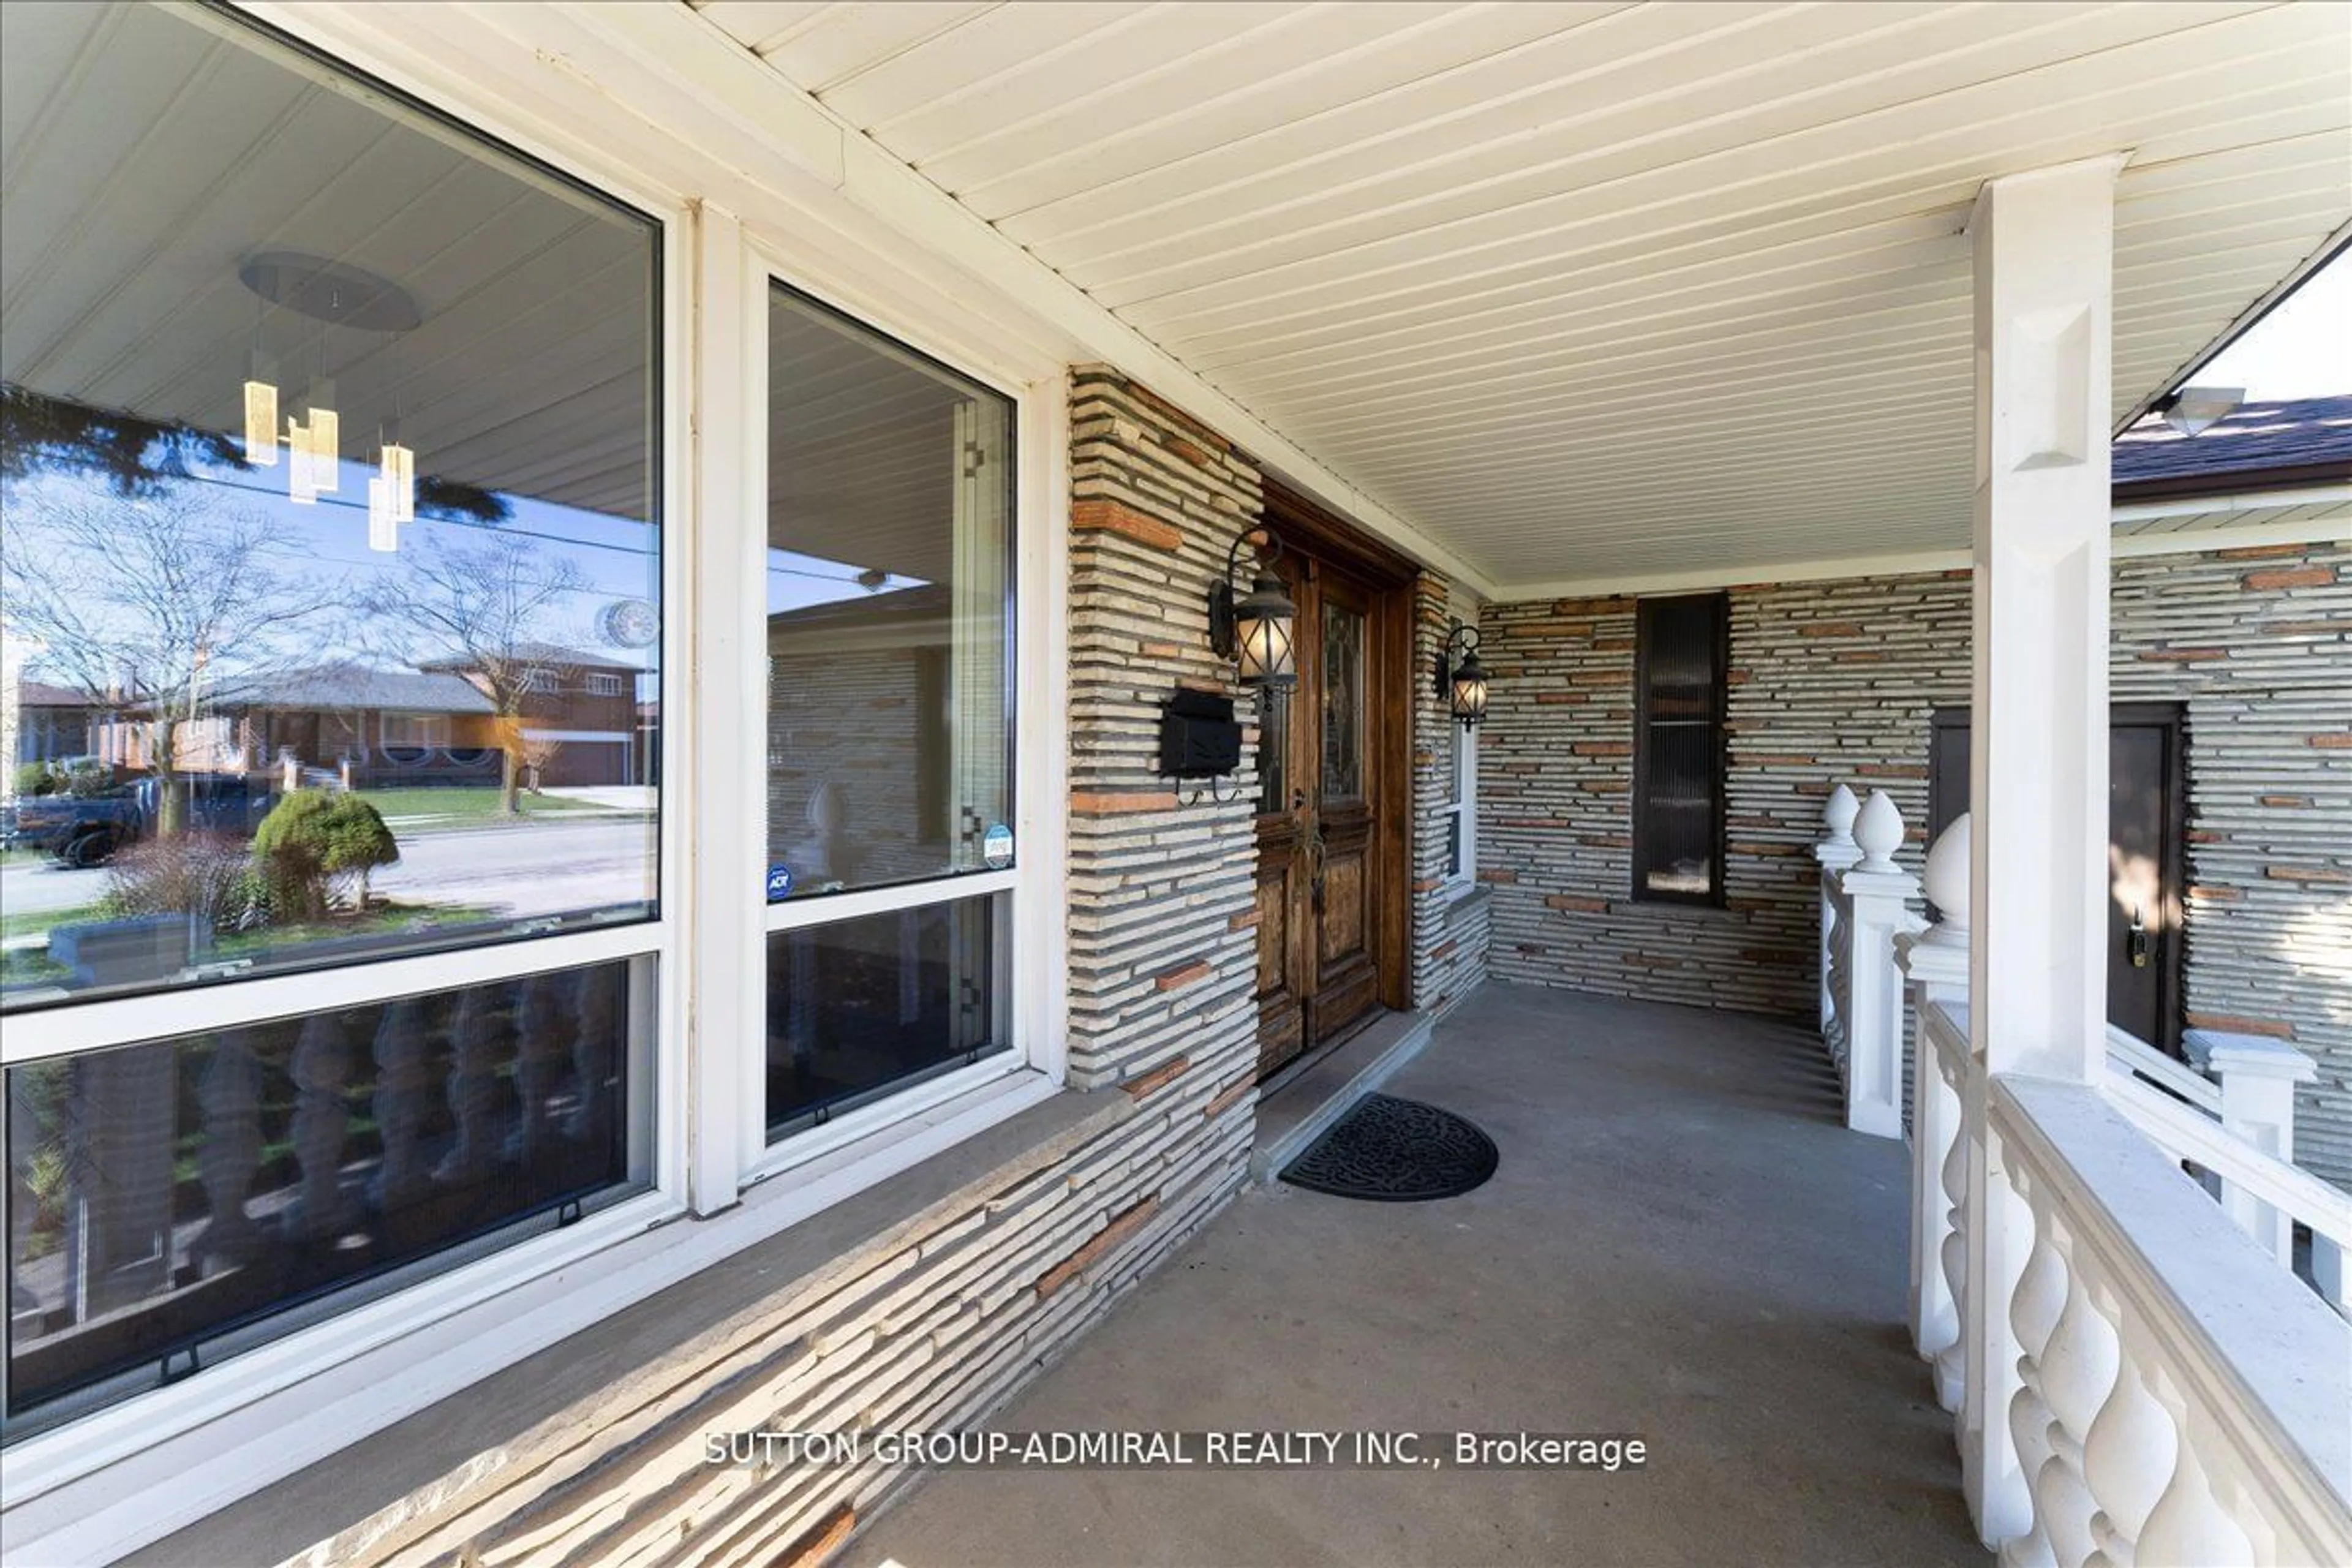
column 1681, row 1242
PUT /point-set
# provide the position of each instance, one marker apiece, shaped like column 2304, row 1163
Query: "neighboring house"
column 434, row 724
column 52, row 722
column 389, row 727
column 579, row 712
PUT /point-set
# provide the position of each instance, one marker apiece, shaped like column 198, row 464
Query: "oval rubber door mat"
column 1395, row 1150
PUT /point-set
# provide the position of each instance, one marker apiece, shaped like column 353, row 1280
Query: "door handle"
column 1315, row 859
column 2137, row 946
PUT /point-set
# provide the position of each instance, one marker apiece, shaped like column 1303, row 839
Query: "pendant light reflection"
column 336, row 294
column 260, row 425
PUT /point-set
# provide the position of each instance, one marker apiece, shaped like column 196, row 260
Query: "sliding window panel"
column 859, row 1007
column 173, row 1202
column 889, row 600
column 329, row 479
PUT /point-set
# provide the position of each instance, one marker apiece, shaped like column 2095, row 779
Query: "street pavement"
column 548, row 867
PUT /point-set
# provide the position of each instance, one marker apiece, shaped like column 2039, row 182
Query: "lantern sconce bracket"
column 1455, row 677
column 1222, row 598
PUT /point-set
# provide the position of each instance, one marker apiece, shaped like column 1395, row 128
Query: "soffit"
column 1583, row 290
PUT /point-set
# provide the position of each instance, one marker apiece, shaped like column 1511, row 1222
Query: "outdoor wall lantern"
column 1255, row 630
column 1462, row 685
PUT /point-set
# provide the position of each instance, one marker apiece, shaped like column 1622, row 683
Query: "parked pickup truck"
column 87, row 830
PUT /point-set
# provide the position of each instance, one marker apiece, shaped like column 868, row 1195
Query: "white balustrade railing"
column 2128, row 1056
column 2134, row 1377
column 2263, row 1196
column 2177, row 1400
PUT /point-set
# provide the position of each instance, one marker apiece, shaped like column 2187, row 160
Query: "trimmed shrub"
column 311, row 842
column 207, row 877
column 39, row 778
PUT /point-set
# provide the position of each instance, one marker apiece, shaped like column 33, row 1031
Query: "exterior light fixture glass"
column 1256, row 630
column 1462, row 684
column 2193, row 410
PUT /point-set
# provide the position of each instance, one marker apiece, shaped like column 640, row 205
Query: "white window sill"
column 125, row 1477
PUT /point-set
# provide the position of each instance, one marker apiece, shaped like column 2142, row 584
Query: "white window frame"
column 1462, row 806
column 1034, row 885
column 114, row 1480
column 602, row 683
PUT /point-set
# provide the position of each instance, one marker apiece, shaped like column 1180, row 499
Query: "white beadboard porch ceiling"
column 1587, row 292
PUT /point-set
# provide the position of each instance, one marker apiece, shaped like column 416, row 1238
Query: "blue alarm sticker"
column 996, row 847
column 780, row 882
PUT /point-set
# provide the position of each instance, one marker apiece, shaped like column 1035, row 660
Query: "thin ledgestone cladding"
column 1163, row 958
column 1449, row 929
column 1834, row 681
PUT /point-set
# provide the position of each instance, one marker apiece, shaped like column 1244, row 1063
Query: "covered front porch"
column 1683, row 1242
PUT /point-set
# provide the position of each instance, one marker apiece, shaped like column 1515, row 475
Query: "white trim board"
column 2126, row 546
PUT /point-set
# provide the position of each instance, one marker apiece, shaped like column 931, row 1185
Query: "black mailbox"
column 1198, row 736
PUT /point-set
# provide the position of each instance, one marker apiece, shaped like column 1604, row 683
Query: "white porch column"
column 1879, row 894
column 2044, row 244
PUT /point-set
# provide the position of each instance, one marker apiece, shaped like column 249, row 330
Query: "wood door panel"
column 1323, row 897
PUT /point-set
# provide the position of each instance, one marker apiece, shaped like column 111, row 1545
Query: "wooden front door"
column 2146, row 823
column 1327, row 796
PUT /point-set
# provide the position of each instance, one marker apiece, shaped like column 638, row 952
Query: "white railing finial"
column 1838, row 816
column 1878, row 829
column 1945, row 883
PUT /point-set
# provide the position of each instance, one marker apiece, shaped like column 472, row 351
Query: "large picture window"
column 890, row 710
column 331, row 941
column 1678, row 749
column 327, row 461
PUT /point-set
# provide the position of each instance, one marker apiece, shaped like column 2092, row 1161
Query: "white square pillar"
column 2044, row 244
column 2044, row 254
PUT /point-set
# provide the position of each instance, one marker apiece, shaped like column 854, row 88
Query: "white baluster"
column 1951, row 1363
column 595, row 1056
column 474, row 1041
column 2078, row 1369
column 230, row 1152
column 1835, row 853
column 321, row 1069
column 543, row 1024
column 2033, row 1314
column 1936, row 1122
column 26, row 1139
column 2127, row 1461
column 2188, row 1525
column 404, row 1083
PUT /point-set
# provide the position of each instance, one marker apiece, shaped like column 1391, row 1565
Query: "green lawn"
column 464, row 807
column 31, row 923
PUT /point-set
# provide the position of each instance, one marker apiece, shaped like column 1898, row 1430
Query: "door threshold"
column 1300, row 1104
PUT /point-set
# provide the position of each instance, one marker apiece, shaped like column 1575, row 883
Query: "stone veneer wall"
column 1449, row 931
column 1836, row 682
column 937, row 1318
